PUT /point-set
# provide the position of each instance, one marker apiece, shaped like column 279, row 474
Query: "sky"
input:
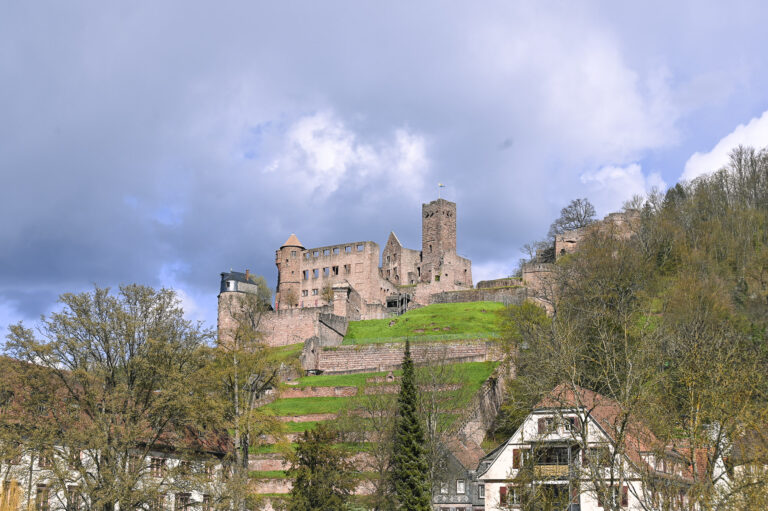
column 166, row 142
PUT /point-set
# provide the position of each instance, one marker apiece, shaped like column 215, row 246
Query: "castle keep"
column 354, row 280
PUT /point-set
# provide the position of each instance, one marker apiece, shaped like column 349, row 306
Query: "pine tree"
column 324, row 477
column 410, row 472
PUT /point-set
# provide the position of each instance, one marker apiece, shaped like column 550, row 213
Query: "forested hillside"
column 670, row 321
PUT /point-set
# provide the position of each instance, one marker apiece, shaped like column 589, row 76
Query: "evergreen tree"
column 324, row 478
column 410, row 471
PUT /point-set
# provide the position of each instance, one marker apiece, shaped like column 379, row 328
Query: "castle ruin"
column 354, row 280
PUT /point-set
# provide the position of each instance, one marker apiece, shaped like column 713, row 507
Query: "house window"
column 622, row 498
column 42, row 495
column 157, row 467
column 181, row 501
column 480, row 491
column 207, row 503
column 45, row 460
column 460, row 486
column 443, row 488
column 74, row 499
column 520, row 457
column 159, row 503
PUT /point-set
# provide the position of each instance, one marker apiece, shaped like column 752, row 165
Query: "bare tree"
column 577, row 214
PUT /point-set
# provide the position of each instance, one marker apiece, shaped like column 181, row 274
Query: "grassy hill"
column 449, row 321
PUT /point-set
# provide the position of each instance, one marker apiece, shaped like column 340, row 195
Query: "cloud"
column 754, row 133
column 321, row 154
column 495, row 269
column 610, row 186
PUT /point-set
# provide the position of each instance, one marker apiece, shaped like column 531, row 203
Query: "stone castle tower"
column 438, row 236
column 288, row 261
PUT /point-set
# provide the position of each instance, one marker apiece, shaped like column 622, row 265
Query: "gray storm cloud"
column 164, row 143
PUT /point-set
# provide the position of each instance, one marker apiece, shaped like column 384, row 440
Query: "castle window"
column 437, row 278
column 348, row 249
column 388, row 273
column 229, row 284
column 314, row 292
column 304, row 292
column 327, row 251
column 326, row 271
column 360, row 247
column 347, row 268
column 335, row 270
column 335, row 250
column 418, row 271
column 430, row 249
column 387, row 259
column 293, row 253
column 306, row 255
column 306, row 274
column 315, row 273
column 316, row 253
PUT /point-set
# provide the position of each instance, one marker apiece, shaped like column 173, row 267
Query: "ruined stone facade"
column 354, row 280
column 309, row 277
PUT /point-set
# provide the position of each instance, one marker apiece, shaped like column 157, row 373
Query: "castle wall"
column 505, row 295
column 290, row 326
column 389, row 356
column 506, row 282
column 400, row 265
column 356, row 263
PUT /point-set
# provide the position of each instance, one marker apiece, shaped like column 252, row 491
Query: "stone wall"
column 389, row 356
column 438, row 235
column 290, row 326
column 505, row 295
column 341, row 391
column 505, row 282
column 473, row 425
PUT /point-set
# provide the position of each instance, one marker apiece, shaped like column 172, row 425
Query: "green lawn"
column 447, row 321
column 268, row 474
column 308, row 405
column 286, row 353
column 300, row 427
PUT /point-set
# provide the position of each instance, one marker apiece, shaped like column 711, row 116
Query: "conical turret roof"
column 292, row 241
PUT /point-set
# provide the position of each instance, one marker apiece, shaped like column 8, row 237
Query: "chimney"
column 247, row 274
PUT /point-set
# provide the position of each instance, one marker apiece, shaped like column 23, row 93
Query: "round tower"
column 288, row 261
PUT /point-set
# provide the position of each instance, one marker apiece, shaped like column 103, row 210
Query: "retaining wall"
column 385, row 357
column 506, row 295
